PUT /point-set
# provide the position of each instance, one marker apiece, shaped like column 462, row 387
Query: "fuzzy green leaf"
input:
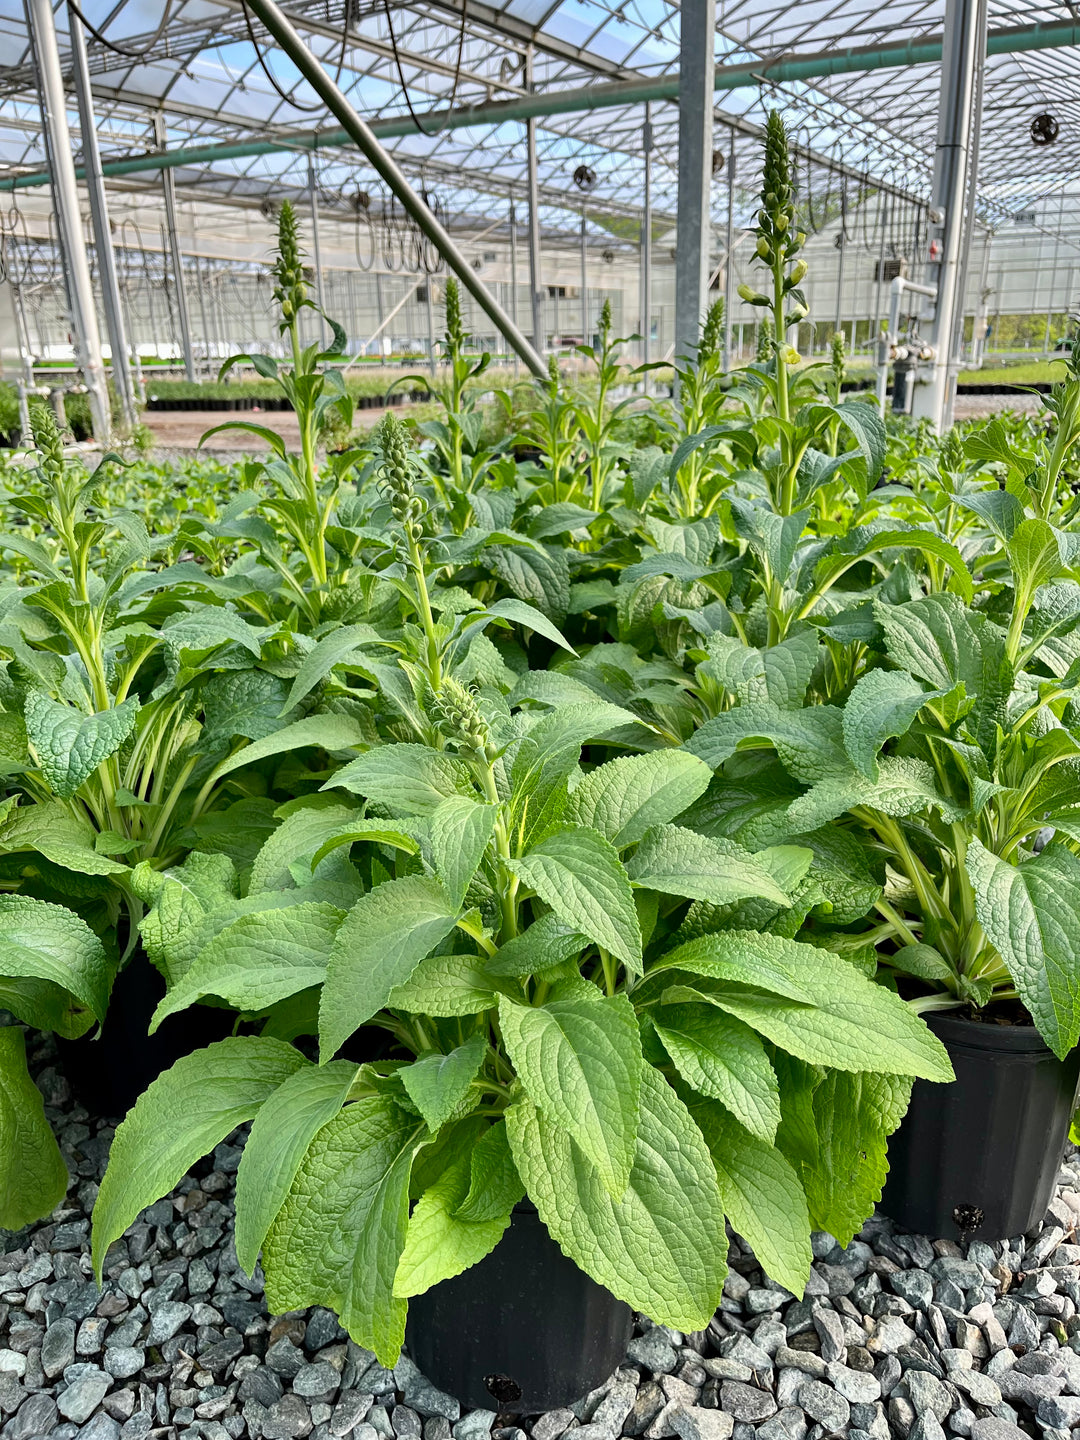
column 627, row 796
column 578, row 873
column 662, row 1248
column 460, row 831
column 382, row 940
column 881, row 706
column 761, row 1195
column 437, row 1084
column 681, row 862
column 40, row 941
column 281, row 1132
column 1031, row 914
column 33, row 1176
column 259, row 959
column 440, row 1242
column 327, row 732
column 580, row 1063
column 70, row 745
column 338, row 1238
column 182, row 1115
column 850, row 1024
column 408, row 779
column 722, row 1059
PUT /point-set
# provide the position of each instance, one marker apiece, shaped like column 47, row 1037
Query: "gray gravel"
column 898, row 1335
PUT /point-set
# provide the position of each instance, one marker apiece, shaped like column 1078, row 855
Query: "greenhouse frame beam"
column 79, row 287
column 281, row 28
column 1012, row 40
column 99, row 218
column 957, row 144
column 697, row 26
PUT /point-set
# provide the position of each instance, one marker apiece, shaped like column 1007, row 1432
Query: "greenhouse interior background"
column 564, row 150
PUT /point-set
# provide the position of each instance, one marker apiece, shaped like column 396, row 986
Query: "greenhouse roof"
column 218, row 80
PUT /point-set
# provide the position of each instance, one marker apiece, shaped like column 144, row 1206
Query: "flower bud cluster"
column 712, row 332
column 290, row 292
column 837, row 352
column 47, row 439
column 778, row 241
column 406, row 506
column 605, row 322
column 459, row 716
column 455, row 331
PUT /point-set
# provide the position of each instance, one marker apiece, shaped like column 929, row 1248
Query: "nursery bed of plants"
column 537, row 882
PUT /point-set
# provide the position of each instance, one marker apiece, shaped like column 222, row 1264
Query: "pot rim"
column 977, row 1036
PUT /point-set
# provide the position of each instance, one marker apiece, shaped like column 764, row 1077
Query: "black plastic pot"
column 978, row 1158
column 524, row 1330
column 108, row 1074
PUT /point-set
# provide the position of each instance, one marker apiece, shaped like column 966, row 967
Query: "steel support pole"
column 80, row 291
column 585, row 336
column 532, row 181
column 179, row 287
column 284, row 33
column 99, row 215
column 514, row 275
column 646, row 240
column 697, row 41
column 841, row 245
column 963, row 54
column 729, row 258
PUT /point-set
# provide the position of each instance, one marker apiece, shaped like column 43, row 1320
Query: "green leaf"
column 662, row 1247
column 550, row 751
column 809, row 743
column 864, row 540
column 761, row 1195
column 440, row 1242
column 922, row 961
column 181, row 898
column 407, row 779
column 850, row 1024
column 545, row 945
column 33, row 1176
column 682, row 862
column 445, row 986
column 773, row 538
column 70, row 745
column 460, row 831
column 1031, row 914
column 331, row 650
column 281, row 1133
column 338, row 1238
column 437, row 1084
column 382, row 940
column 328, row 732
column 494, row 1183
column 580, row 1063
column 903, row 786
column 854, row 1115
column 540, row 576
column 1034, row 555
column 528, row 616
column 627, row 796
column 722, row 1059
column 182, row 1115
column 881, row 706
column 40, row 941
column 259, row 959
column 291, row 848
column 578, row 873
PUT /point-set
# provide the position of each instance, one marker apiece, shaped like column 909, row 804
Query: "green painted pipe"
column 900, row 54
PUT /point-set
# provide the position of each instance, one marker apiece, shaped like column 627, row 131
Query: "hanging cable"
column 401, row 73
column 281, row 94
column 124, row 50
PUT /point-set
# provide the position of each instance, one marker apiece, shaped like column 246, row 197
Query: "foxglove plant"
column 573, row 1018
